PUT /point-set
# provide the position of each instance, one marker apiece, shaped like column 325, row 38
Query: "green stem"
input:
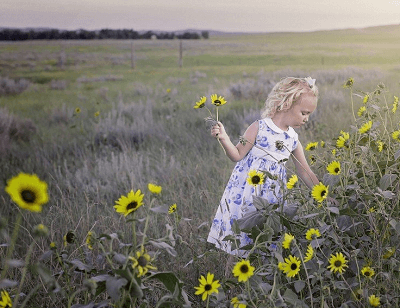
column 33, row 291
column 12, row 244
column 73, row 296
column 25, row 269
column 352, row 104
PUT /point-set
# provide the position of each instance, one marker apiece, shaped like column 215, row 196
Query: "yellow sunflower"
column 349, row 83
column 334, row 168
column 207, row 286
column 365, row 127
column 243, row 270
column 217, row 100
column 342, row 141
column 366, row 99
column 292, row 181
column 320, row 192
column 28, row 191
column 395, row 104
column 312, row 234
column 374, row 300
column 90, row 239
column 5, row 301
column 368, row 271
column 236, row 303
column 40, row 230
column 142, row 262
column 380, row 145
column 172, row 209
column 322, row 143
column 288, row 238
column 389, row 252
column 255, row 177
column 96, row 114
column 309, row 253
column 155, row 189
column 77, row 110
column 201, row 103
column 361, row 111
column 311, row 146
column 337, row 263
column 291, row 266
column 396, row 135
column 130, row 203
column 69, row 238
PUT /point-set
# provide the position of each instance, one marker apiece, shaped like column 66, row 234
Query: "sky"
column 220, row 15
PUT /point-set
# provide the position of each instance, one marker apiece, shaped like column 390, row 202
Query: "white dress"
column 266, row 155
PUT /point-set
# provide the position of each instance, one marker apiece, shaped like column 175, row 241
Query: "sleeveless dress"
column 237, row 198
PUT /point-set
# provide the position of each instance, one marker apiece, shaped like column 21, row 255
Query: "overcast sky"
column 224, row 15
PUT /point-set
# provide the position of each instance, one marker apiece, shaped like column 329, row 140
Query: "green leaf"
column 134, row 282
column 163, row 245
column 169, row 280
column 251, row 220
column 162, row 209
column 387, row 180
column 333, row 209
column 348, row 212
column 6, row 284
column 80, row 265
column 299, row 285
column 113, row 285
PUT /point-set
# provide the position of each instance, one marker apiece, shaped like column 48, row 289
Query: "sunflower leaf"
column 113, row 285
column 299, row 285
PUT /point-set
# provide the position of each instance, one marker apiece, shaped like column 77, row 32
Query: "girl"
column 268, row 141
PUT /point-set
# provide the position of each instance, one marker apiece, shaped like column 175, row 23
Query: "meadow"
column 93, row 127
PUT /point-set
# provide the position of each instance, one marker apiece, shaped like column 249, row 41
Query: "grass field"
column 147, row 131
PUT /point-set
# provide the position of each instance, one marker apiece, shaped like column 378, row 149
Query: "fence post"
column 132, row 56
column 180, row 54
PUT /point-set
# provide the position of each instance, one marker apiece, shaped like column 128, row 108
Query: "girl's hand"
column 218, row 131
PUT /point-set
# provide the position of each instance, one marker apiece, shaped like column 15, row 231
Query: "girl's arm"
column 302, row 168
column 235, row 153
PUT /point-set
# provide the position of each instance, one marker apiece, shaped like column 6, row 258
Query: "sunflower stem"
column 24, row 270
column 12, row 244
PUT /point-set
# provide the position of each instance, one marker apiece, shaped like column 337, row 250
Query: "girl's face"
column 301, row 110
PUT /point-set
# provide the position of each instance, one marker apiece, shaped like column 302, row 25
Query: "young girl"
column 288, row 106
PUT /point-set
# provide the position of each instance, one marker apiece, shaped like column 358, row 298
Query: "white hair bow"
column 310, row 81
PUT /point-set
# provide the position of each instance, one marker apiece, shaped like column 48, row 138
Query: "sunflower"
column 172, row 209
column 40, row 230
column 396, row 135
column 334, row 168
column 361, row 111
column 288, row 238
column 349, row 83
column 207, row 286
column 365, row 127
column 155, row 189
column 322, row 143
column 368, row 271
column 389, row 252
column 5, row 301
column 374, row 300
column 380, row 145
column 28, row 191
column 291, row 266
column 243, row 270
column 341, row 142
column 90, row 239
column 395, row 104
column 130, row 203
column 201, row 103
column 337, row 263
column 311, row 146
column 320, row 192
column 77, row 110
column 366, row 99
column 217, row 100
column 142, row 262
column 309, row 253
column 292, row 181
column 312, row 234
column 236, row 303
column 96, row 114
column 69, row 238
column 255, row 177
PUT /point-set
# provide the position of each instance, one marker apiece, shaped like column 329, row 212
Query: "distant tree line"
column 122, row 34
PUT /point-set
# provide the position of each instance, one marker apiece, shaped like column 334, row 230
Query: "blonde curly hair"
column 286, row 92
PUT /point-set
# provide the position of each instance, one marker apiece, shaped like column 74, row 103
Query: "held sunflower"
column 28, row 191
column 255, row 178
column 142, row 262
column 334, row 168
column 291, row 266
column 218, row 100
column 207, row 286
column 320, row 192
column 243, row 270
column 337, row 263
column 130, row 203
column 201, row 103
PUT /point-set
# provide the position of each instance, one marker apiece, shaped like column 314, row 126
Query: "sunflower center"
column 255, row 179
column 337, row 170
column 367, row 274
column 338, row 263
column 323, row 193
column 217, row 102
column 142, row 261
column 132, row 205
column 293, row 266
column 244, row 269
column 207, row 287
column 70, row 237
column 28, row 196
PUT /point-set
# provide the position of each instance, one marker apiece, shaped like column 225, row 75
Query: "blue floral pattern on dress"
column 237, row 199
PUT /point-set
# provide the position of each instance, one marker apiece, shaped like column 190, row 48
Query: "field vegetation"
column 95, row 123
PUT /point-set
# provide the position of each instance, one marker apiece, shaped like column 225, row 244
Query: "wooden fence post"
column 180, row 54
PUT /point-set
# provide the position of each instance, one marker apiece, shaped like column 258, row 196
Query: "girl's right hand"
column 218, row 131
